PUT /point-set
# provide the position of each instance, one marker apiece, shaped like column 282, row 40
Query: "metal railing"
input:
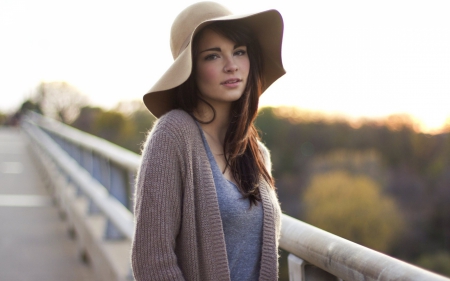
column 103, row 174
column 109, row 167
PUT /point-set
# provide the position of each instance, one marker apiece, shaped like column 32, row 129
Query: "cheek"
column 245, row 67
column 207, row 75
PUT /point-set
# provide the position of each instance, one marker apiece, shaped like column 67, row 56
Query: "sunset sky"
column 352, row 58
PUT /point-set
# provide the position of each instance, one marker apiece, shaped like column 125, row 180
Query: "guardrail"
column 93, row 184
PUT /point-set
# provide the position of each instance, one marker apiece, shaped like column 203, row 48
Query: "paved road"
column 34, row 242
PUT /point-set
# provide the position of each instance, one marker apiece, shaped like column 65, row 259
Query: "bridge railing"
column 93, row 183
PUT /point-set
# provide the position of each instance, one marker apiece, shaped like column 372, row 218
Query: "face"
column 222, row 68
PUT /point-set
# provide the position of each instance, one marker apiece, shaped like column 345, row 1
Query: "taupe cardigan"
column 178, row 229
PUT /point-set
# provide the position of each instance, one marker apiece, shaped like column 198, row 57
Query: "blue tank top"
column 242, row 225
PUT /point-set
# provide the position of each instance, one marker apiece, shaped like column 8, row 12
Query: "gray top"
column 242, row 225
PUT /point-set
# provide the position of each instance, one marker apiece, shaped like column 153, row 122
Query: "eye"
column 240, row 52
column 211, row 57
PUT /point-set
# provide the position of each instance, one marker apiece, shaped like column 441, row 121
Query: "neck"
column 217, row 129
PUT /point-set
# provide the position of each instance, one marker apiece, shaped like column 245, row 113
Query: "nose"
column 230, row 66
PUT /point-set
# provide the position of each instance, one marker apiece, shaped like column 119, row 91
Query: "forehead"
column 211, row 39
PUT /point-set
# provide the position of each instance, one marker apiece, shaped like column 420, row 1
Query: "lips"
column 231, row 81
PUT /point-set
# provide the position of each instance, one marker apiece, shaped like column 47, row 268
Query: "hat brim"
column 268, row 29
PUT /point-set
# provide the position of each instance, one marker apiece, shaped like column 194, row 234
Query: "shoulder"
column 176, row 123
column 176, row 127
column 266, row 156
column 264, row 150
column 177, row 115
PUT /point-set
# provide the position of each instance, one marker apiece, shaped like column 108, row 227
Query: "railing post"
column 296, row 268
column 300, row 270
column 92, row 208
column 130, row 275
column 132, row 181
column 88, row 160
column 111, row 232
column 119, row 187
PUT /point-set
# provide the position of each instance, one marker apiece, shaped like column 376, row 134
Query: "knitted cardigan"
column 178, row 228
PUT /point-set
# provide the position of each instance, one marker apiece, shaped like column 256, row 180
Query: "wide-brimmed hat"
column 267, row 27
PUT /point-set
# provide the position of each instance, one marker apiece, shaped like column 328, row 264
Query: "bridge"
column 65, row 214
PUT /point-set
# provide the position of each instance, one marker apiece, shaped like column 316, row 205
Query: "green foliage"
column 398, row 144
column 2, row 118
column 113, row 126
column 137, row 114
column 411, row 167
column 30, row 105
column 438, row 262
column 87, row 118
column 127, row 129
column 367, row 162
column 352, row 207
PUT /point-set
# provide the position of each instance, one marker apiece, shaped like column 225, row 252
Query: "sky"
column 350, row 58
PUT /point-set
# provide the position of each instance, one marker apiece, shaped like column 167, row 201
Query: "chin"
column 234, row 96
column 232, row 99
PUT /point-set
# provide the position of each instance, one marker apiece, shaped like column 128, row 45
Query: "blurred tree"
column 411, row 193
column 446, row 127
column 30, row 105
column 366, row 162
column 130, row 106
column 113, row 126
column 2, row 118
column 140, row 118
column 438, row 262
column 127, row 125
column 398, row 122
column 352, row 207
column 441, row 211
column 86, row 120
column 60, row 100
column 143, row 121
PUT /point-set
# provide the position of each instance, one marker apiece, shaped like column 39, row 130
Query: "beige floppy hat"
column 266, row 25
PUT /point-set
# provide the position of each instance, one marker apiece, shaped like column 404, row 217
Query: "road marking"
column 11, row 168
column 12, row 147
column 25, row 201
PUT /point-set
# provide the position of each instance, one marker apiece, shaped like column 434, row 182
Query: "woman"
column 205, row 207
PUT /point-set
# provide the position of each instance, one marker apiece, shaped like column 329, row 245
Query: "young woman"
column 205, row 205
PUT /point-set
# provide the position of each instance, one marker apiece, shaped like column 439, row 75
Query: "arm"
column 274, row 197
column 157, row 210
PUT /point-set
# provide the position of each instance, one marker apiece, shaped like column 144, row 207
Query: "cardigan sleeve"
column 157, row 210
column 266, row 157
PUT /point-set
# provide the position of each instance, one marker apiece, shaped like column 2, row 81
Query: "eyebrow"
column 217, row 49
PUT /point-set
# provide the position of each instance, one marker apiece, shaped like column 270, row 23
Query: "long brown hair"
column 241, row 150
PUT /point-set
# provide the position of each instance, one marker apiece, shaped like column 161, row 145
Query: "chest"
column 217, row 151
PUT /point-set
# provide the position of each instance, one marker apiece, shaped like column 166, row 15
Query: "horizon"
column 297, row 114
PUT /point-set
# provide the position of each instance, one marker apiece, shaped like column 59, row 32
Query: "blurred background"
column 358, row 128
